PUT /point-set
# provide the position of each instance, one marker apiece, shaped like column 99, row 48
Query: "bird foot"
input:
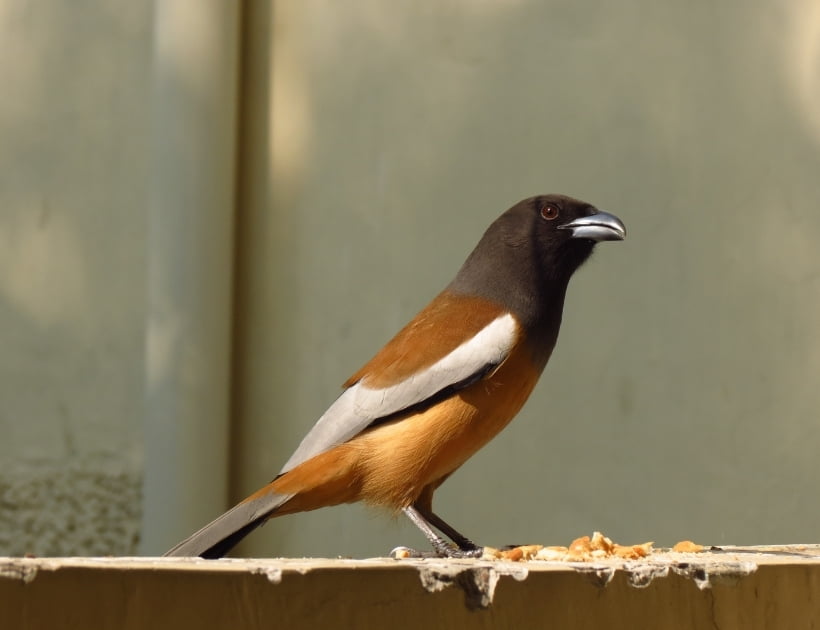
column 455, row 552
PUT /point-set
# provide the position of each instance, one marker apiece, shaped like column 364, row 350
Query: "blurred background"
column 212, row 213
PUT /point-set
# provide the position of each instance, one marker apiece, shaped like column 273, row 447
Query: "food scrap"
column 582, row 549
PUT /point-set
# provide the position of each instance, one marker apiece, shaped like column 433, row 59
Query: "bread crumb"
column 687, row 546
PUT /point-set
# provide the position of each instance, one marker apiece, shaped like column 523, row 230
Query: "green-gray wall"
column 374, row 143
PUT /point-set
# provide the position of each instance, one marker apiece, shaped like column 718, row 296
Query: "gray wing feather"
column 359, row 406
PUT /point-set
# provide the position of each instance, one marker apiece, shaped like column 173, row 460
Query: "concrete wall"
column 117, row 138
column 74, row 163
column 377, row 141
column 681, row 401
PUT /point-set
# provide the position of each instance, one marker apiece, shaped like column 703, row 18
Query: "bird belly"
column 391, row 464
column 397, row 460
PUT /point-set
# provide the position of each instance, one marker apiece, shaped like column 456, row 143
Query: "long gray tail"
column 223, row 533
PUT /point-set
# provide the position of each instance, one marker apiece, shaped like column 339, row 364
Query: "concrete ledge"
column 760, row 587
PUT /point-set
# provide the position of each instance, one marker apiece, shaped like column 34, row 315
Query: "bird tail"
column 223, row 533
column 327, row 479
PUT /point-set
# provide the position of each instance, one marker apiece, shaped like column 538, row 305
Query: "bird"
column 441, row 389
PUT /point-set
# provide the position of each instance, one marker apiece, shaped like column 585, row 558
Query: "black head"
column 559, row 230
column 527, row 256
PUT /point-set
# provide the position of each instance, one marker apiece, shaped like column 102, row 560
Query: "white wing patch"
column 359, row 406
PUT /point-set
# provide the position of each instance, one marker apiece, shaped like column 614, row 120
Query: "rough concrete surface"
column 77, row 506
column 728, row 588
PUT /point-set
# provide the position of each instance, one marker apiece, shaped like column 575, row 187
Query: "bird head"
column 527, row 256
column 562, row 231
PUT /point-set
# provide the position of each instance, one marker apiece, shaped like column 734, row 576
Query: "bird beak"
column 600, row 226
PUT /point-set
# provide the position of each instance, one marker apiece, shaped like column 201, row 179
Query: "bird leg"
column 463, row 543
column 425, row 520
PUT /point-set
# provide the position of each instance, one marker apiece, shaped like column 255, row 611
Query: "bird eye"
column 549, row 212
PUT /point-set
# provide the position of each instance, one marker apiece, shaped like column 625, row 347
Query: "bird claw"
column 456, row 552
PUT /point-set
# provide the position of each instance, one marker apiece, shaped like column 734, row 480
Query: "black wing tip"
column 222, row 534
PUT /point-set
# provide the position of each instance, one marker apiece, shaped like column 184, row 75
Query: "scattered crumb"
column 516, row 554
column 400, row 553
column 582, row 549
column 633, row 552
